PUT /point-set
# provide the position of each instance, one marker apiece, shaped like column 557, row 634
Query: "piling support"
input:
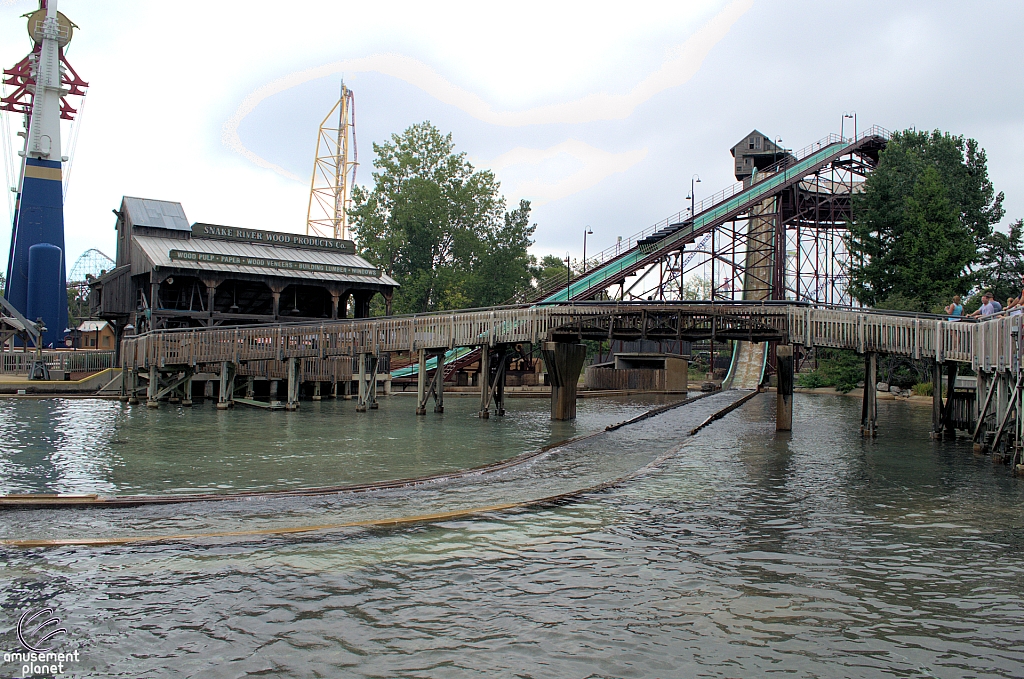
column 250, row 387
column 154, row 386
column 485, row 382
column 869, row 407
column 564, row 363
column 292, row 402
column 316, row 390
column 936, row 399
column 225, row 397
column 421, row 384
column 784, row 390
column 367, row 383
column 187, row 389
column 947, row 410
column 133, row 391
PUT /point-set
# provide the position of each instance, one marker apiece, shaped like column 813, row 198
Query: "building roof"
column 92, row 326
column 160, row 214
column 258, row 260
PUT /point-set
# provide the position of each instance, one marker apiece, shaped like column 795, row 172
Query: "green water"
column 738, row 552
column 95, row 446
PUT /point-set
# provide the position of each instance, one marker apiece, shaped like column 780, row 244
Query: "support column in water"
column 564, row 363
column 784, row 388
column 869, row 409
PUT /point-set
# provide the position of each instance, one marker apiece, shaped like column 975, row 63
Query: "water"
column 740, row 553
column 87, row 446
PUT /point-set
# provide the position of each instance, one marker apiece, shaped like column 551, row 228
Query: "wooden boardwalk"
column 348, row 350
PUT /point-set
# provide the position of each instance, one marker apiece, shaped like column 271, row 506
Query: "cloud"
column 684, row 61
column 597, row 165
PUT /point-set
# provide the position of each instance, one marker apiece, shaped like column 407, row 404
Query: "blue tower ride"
column 35, row 272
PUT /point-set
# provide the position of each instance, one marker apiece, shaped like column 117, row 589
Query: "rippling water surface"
column 740, row 553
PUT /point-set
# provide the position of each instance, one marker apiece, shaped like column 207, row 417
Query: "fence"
column 17, row 362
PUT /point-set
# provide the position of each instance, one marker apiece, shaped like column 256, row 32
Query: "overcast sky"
column 599, row 113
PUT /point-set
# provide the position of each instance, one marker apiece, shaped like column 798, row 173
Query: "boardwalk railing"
column 17, row 362
column 326, row 348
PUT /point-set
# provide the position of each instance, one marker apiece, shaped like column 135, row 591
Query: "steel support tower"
column 41, row 83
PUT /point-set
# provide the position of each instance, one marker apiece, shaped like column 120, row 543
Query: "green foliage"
column 923, row 221
column 1001, row 263
column 439, row 226
column 923, row 388
column 551, row 268
column 837, row 368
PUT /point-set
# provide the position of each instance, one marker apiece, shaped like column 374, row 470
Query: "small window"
column 757, row 143
column 750, row 144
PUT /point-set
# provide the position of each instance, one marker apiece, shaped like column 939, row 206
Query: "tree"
column 1000, row 266
column 439, row 226
column 925, row 213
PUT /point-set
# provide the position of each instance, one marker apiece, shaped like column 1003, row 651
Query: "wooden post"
column 869, row 411
column 485, row 382
column 439, row 383
column 936, row 399
column 187, row 387
column 421, row 384
column 316, row 390
column 564, row 363
column 367, row 383
column 784, row 389
column 133, row 392
column 275, row 385
column 250, row 387
column 361, row 402
column 227, row 385
column 154, row 386
column 947, row 410
column 293, row 385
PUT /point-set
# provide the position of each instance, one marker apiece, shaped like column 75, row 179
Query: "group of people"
column 989, row 306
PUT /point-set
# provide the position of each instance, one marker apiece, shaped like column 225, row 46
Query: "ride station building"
column 172, row 274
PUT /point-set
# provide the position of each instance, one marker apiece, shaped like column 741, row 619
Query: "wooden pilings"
column 869, row 406
column 784, row 388
column 492, row 387
column 292, row 403
column 434, row 386
column 564, row 363
column 225, row 396
column 367, row 383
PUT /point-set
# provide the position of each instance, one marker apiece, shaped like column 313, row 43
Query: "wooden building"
column 170, row 274
column 97, row 335
column 755, row 150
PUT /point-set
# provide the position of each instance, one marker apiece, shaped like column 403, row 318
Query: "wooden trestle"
column 329, row 352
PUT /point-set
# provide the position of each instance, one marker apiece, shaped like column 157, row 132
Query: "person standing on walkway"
column 988, row 306
column 956, row 309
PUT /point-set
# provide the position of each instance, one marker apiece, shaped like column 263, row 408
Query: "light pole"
column 568, row 277
column 778, row 140
column 694, row 180
column 853, row 116
column 586, row 232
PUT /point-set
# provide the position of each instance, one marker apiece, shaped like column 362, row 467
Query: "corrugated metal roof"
column 157, row 250
column 92, row 326
column 160, row 214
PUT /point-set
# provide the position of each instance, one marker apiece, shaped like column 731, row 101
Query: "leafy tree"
column 925, row 213
column 551, row 268
column 1000, row 265
column 439, row 226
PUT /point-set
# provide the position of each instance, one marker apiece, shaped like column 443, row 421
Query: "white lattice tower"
column 334, row 171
